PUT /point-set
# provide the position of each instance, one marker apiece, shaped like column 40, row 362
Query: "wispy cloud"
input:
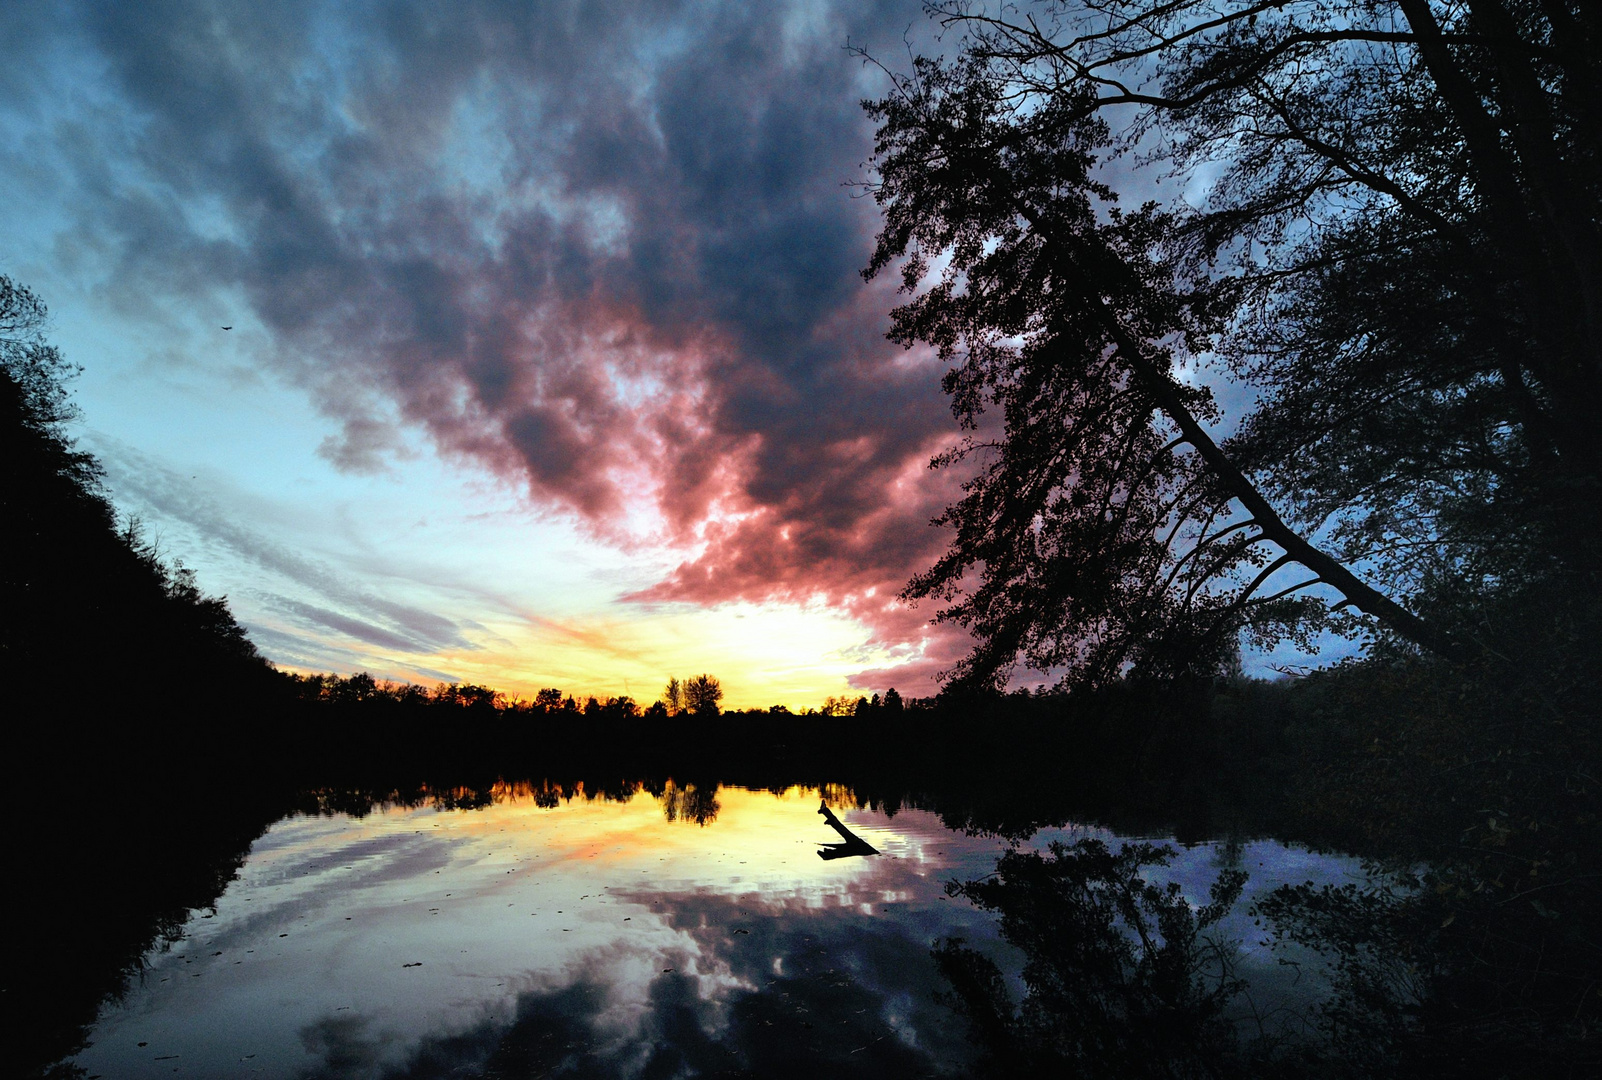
column 327, row 598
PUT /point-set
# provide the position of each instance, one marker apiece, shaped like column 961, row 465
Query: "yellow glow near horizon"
column 772, row 835
column 763, row 654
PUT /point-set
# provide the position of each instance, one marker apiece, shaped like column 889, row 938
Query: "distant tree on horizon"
column 843, row 705
column 702, row 695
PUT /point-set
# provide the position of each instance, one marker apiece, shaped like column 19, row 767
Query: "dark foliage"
column 1045, row 283
column 1481, row 793
column 90, row 609
column 120, row 675
column 1397, row 259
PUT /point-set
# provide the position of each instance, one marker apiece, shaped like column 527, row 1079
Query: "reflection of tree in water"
column 681, row 800
column 841, row 797
column 358, row 802
column 690, row 802
column 1121, row 978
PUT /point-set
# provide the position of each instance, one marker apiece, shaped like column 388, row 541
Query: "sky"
column 514, row 343
column 551, row 363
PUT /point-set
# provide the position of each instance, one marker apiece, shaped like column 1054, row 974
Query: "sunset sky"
column 550, row 360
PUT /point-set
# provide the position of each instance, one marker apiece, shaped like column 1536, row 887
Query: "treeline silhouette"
column 130, row 698
column 1195, row 758
column 97, row 625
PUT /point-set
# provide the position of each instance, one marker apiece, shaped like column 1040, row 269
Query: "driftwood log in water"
column 854, row 844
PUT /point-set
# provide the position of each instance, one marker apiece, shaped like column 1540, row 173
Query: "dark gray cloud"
column 601, row 248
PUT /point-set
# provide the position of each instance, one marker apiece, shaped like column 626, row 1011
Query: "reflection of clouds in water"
column 818, row 992
column 305, row 882
column 347, row 1045
column 519, row 929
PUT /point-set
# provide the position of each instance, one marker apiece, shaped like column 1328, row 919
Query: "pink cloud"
column 619, row 273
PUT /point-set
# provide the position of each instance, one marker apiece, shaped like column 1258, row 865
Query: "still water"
column 544, row 933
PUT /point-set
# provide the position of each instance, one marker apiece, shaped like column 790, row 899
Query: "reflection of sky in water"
column 415, row 941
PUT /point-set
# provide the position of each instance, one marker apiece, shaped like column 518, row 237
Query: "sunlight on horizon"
column 763, row 654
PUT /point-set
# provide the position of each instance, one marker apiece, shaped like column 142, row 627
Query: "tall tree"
column 1396, row 258
column 673, row 696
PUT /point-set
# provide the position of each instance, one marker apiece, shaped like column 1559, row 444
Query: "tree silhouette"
column 702, row 695
column 77, row 588
column 842, row 705
column 1399, row 257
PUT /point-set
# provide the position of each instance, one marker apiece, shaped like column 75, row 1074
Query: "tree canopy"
column 702, row 695
column 1385, row 240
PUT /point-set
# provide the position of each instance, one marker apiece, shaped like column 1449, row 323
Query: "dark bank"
column 1466, row 954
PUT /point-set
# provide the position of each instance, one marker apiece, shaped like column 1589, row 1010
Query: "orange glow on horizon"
column 762, row 654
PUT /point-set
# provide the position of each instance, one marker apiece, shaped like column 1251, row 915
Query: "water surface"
column 539, row 932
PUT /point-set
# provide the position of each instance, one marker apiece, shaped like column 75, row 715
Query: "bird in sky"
column 227, row 328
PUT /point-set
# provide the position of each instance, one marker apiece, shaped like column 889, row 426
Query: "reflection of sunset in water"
column 757, row 838
column 365, row 946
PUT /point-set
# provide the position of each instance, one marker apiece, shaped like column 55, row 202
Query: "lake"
column 537, row 930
